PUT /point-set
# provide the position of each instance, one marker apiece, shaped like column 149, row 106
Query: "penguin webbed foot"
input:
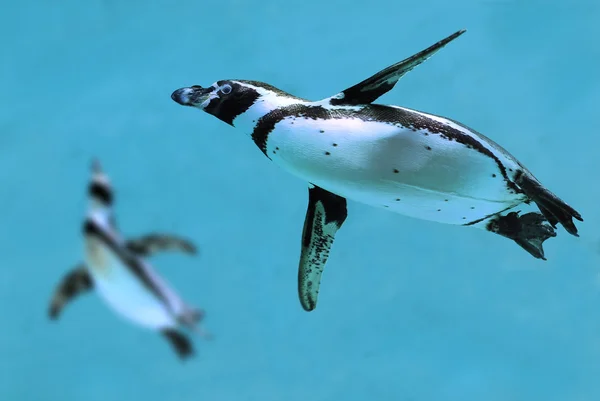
column 529, row 231
column 180, row 343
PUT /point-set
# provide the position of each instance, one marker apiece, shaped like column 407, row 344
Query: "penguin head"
column 100, row 191
column 224, row 99
column 228, row 99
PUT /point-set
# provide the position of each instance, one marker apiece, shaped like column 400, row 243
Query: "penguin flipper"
column 180, row 342
column 74, row 283
column 325, row 215
column 150, row 244
column 372, row 88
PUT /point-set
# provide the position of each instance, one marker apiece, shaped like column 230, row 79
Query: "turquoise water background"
column 409, row 310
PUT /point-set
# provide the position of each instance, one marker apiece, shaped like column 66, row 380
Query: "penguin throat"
column 247, row 120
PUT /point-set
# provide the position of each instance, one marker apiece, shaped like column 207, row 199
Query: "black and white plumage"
column 116, row 270
column 406, row 161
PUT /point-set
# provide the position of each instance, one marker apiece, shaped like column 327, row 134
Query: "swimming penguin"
column 116, row 270
column 406, row 161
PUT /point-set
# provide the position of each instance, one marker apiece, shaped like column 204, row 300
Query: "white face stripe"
column 272, row 97
column 215, row 94
column 266, row 102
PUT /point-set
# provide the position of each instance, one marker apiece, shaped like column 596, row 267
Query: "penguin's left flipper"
column 180, row 342
column 372, row 88
column 75, row 282
column 325, row 215
column 151, row 244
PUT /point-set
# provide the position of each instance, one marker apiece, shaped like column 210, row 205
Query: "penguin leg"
column 180, row 342
column 553, row 208
column 150, row 244
column 325, row 215
column 74, row 283
column 529, row 230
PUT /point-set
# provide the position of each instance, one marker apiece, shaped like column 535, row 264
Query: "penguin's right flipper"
column 324, row 217
column 74, row 283
column 180, row 342
column 150, row 244
column 372, row 88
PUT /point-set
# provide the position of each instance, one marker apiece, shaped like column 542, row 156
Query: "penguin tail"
column 191, row 319
column 553, row 208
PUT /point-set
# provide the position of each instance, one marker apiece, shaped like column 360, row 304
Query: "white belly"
column 396, row 168
column 123, row 291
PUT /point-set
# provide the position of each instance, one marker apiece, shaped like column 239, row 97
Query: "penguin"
column 117, row 271
column 406, row 161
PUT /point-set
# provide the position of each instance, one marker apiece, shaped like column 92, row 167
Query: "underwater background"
column 408, row 310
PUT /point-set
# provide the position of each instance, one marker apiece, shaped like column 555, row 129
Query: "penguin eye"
column 226, row 89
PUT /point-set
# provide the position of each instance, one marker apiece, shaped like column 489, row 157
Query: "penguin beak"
column 195, row 96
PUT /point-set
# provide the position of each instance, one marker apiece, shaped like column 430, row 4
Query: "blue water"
column 409, row 310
